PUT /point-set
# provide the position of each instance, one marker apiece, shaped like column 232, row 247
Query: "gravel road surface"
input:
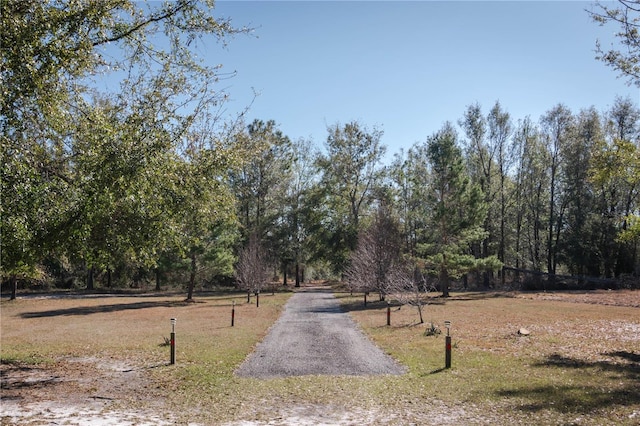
column 314, row 336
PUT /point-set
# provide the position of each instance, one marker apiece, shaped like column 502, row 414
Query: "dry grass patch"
column 581, row 363
column 111, row 350
column 104, row 359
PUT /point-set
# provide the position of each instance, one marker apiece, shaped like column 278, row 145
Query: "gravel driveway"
column 314, row 336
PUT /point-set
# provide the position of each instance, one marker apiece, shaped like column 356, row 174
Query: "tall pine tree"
column 457, row 213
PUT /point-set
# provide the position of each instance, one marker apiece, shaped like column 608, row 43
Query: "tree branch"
column 180, row 5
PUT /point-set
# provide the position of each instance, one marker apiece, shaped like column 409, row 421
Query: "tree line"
column 149, row 184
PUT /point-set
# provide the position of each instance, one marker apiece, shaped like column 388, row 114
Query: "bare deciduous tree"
column 376, row 254
column 252, row 269
column 410, row 287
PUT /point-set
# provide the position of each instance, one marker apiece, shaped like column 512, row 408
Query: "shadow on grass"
column 622, row 390
column 115, row 307
column 372, row 305
column 13, row 377
column 373, row 301
column 400, row 326
column 237, row 295
column 630, row 369
column 17, row 377
column 479, row 295
column 573, row 399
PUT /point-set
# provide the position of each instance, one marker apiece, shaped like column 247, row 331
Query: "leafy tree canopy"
column 625, row 14
column 88, row 172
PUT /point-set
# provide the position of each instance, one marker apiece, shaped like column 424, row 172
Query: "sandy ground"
column 74, row 391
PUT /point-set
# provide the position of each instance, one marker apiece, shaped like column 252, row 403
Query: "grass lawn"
column 107, row 354
column 579, row 365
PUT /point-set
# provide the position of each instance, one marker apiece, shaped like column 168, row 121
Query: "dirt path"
column 314, row 336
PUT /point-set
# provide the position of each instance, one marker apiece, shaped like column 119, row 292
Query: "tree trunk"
column 157, row 279
column 550, row 246
column 109, row 277
column 503, row 214
column 192, row 277
column 90, row 278
column 297, row 274
column 284, row 273
column 444, row 282
column 13, row 282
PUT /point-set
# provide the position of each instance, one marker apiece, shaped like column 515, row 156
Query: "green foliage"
column 432, row 330
column 616, row 167
column 488, row 155
column 625, row 60
column 107, row 179
column 143, row 179
column 531, row 189
column 457, row 210
column 411, row 176
column 614, row 174
column 350, row 171
column 261, row 186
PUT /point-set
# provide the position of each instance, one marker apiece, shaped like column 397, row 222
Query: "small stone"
column 524, row 332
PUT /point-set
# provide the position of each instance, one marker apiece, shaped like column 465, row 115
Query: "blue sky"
column 407, row 67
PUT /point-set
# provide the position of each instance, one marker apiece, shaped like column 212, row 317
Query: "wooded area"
column 147, row 185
